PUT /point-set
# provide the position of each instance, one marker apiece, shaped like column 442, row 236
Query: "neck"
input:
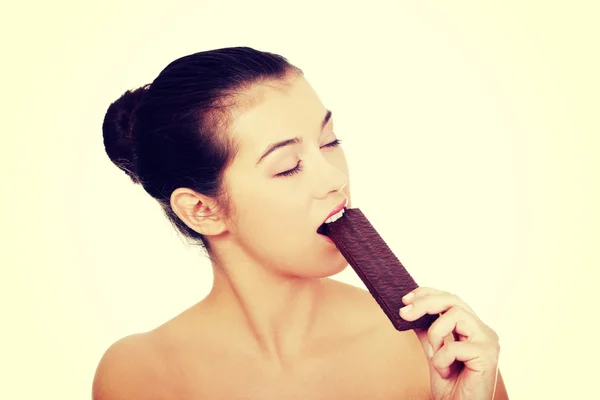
column 278, row 312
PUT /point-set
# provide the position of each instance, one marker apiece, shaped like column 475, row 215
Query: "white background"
column 471, row 132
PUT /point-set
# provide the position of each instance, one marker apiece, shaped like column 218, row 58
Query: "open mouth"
column 323, row 230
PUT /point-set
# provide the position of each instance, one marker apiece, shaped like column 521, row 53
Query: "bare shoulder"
column 360, row 307
column 129, row 368
column 401, row 351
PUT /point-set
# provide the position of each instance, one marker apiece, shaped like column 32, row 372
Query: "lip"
column 327, row 238
column 336, row 210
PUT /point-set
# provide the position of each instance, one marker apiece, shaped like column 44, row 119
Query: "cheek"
column 265, row 217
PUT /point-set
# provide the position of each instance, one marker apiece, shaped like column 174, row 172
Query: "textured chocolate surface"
column 382, row 273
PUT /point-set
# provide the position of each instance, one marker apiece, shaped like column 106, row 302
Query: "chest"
column 359, row 372
column 339, row 382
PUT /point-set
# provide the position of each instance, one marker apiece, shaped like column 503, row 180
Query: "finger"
column 445, row 362
column 436, row 304
column 423, row 336
column 424, row 292
column 476, row 357
column 425, row 343
column 455, row 321
column 420, row 292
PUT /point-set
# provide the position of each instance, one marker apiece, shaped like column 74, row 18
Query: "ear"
column 200, row 213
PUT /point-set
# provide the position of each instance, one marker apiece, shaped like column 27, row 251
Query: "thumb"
column 423, row 336
column 424, row 340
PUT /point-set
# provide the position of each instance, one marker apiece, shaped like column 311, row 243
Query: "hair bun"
column 117, row 130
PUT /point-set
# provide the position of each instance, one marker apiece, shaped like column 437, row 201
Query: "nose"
column 332, row 180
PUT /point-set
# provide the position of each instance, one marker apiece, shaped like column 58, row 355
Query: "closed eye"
column 335, row 143
column 298, row 166
column 293, row 171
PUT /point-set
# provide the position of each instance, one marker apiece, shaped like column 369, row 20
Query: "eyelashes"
column 335, row 143
column 298, row 167
column 291, row 172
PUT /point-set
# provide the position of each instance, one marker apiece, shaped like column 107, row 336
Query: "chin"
column 326, row 268
column 334, row 271
column 339, row 266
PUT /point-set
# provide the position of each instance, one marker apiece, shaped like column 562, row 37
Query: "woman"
column 242, row 155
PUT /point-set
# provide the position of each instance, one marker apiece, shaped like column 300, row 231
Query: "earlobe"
column 198, row 212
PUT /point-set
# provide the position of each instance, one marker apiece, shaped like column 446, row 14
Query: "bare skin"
column 274, row 326
column 353, row 352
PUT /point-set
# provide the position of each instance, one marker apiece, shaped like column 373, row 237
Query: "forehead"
column 282, row 110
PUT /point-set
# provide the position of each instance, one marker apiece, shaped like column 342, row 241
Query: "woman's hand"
column 462, row 351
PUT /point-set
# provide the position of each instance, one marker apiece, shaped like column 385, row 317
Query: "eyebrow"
column 274, row 146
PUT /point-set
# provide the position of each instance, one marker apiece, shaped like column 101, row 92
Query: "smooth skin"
column 274, row 325
column 461, row 350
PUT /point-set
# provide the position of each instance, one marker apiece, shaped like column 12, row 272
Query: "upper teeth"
column 335, row 217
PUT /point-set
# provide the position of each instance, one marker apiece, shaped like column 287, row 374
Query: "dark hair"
column 172, row 133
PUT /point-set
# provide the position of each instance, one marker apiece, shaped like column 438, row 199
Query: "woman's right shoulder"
column 129, row 369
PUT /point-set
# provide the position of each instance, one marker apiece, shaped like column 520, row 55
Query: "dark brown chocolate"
column 382, row 273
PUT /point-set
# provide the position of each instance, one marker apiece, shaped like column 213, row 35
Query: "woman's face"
column 281, row 197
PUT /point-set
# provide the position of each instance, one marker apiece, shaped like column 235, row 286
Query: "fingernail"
column 408, row 297
column 429, row 350
column 406, row 308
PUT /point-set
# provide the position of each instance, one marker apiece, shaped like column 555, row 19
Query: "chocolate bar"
column 382, row 273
